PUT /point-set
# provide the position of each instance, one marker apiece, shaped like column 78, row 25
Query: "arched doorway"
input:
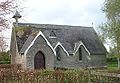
column 39, row 61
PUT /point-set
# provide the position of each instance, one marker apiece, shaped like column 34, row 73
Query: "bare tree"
column 3, row 44
column 7, row 7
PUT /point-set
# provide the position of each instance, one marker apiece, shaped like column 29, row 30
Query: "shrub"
column 55, row 76
column 4, row 56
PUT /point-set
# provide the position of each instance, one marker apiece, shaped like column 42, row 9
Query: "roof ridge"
column 35, row 24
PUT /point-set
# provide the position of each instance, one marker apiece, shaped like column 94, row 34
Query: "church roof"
column 67, row 35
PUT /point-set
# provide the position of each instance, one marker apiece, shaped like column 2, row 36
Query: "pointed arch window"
column 80, row 52
column 58, row 53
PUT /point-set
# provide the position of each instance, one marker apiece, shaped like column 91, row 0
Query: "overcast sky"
column 65, row 12
column 68, row 12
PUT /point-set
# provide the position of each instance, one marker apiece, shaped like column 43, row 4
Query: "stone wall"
column 73, row 62
column 40, row 45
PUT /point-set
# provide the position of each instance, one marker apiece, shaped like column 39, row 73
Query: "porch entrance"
column 39, row 61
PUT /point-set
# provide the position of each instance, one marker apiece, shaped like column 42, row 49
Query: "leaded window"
column 58, row 53
column 80, row 53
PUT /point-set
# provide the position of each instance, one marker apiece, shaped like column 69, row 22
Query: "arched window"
column 58, row 53
column 80, row 52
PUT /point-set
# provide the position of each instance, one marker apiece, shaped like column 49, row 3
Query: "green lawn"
column 112, row 65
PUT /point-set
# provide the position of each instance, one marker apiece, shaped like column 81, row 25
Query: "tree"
column 111, row 29
column 6, row 8
column 3, row 44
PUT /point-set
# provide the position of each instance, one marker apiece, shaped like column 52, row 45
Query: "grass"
column 112, row 65
column 5, row 62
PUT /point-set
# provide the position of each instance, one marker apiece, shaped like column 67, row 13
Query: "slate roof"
column 66, row 35
column 28, row 42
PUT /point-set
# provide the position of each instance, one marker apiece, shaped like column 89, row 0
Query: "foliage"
column 10, row 66
column 6, row 8
column 21, row 29
column 5, row 62
column 111, row 59
column 3, row 44
column 4, row 56
column 112, row 53
column 56, row 76
column 111, row 29
column 112, row 65
column 112, row 9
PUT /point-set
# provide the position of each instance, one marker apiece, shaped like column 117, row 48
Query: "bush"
column 112, row 59
column 5, row 56
column 5, row 62
column 10, row 66
column 56, row 76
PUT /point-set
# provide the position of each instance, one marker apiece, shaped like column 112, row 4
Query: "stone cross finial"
column 17, row 16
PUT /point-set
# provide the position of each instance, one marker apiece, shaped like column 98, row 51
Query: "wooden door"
column 39, row 61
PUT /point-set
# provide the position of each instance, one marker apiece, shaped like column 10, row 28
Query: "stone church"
column 49, row 46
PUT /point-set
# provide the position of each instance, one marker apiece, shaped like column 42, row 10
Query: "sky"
column 63, row 12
